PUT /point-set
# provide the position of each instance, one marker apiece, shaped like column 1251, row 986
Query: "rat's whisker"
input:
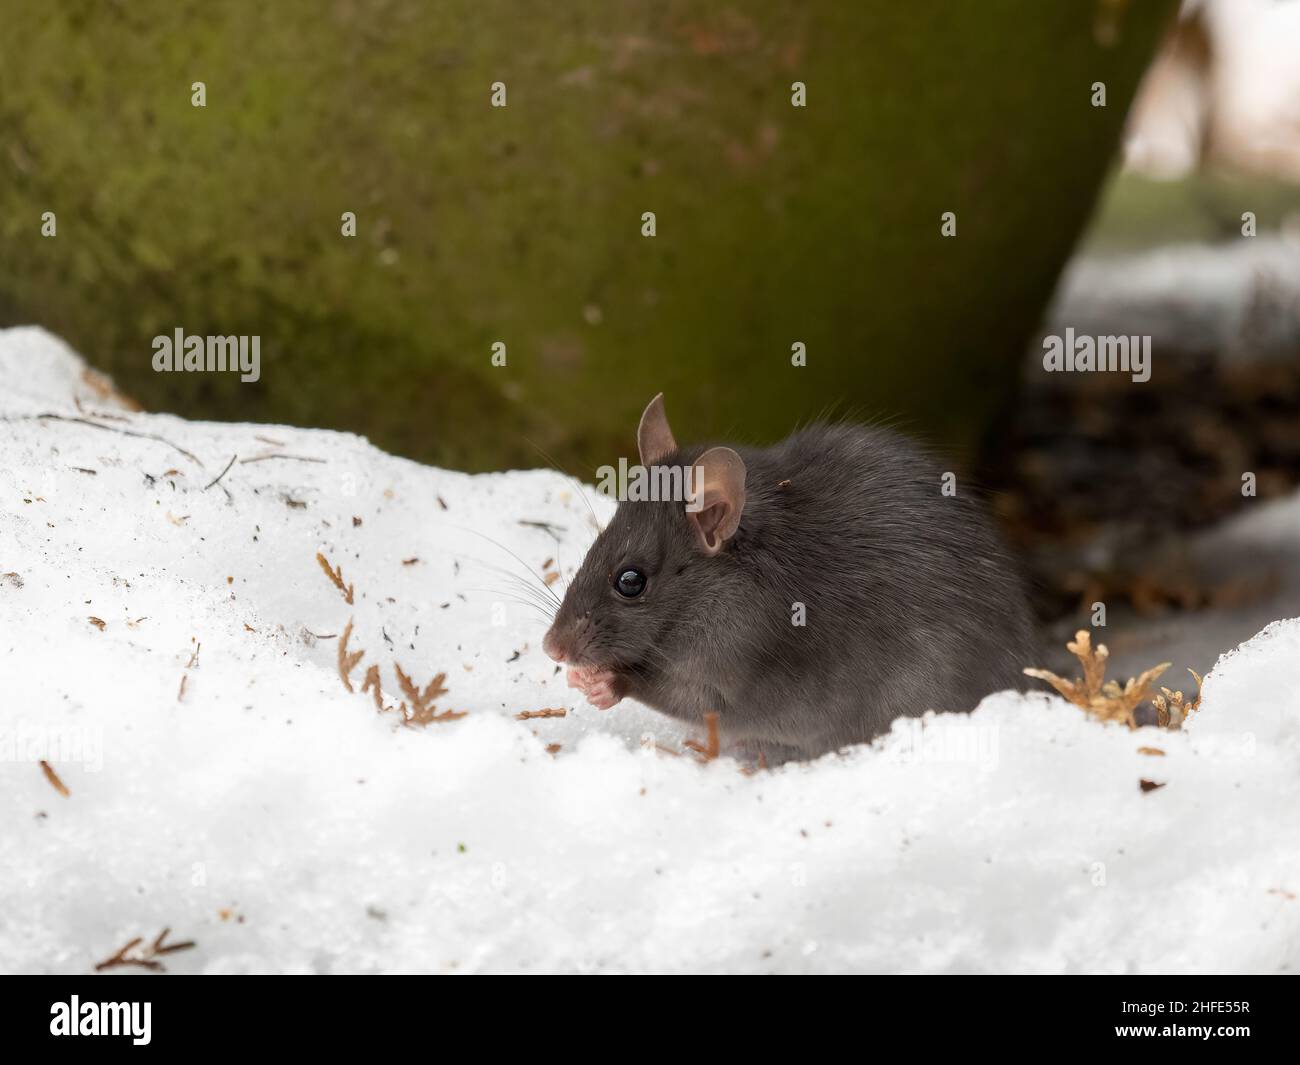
column 530, row 593
column 533, row 595
column 502, row 595
column 540, row 580
column 528, row 569
column 578, row 484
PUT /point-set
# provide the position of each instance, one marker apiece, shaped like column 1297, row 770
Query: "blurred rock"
column 475, row 224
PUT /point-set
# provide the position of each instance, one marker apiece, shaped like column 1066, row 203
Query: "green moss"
column 522, row 224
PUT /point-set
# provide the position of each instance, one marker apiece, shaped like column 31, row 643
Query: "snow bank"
column 282, row 823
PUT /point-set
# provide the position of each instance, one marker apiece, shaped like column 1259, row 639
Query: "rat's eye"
column 630, row 583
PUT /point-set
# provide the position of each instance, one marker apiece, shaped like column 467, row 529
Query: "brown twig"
column 419, row 698
column 336, row 577
column 429, row 716
column 422, row 711
column 1103, row 699
column 125, row 432
column 185, row 676
column 54, row 780
column 545, row 526
column 372, row 685
column 295, row 458
column 146, row 958
column 347, row 661
column 1173, row 708
column 531, row 715
column 217, row 478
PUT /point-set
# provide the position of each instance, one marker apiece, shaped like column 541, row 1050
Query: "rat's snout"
column 565, row 640
column 554, row 646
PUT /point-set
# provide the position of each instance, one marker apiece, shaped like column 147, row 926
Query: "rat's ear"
column 654, row 439
column 718, row 478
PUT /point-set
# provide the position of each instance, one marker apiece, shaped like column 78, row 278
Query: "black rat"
column 815, row 591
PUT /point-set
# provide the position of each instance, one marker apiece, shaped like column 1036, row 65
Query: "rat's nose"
column 552, row 646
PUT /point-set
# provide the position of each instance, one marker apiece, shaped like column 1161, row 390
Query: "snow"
column 1259, row 547
column 283, row 824
column 1234, row 301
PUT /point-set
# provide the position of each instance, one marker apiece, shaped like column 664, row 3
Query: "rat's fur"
column 911, row 600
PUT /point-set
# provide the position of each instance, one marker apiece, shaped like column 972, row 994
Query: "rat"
column 807, row 593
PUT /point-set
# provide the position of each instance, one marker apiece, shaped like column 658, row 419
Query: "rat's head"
column 648, row 573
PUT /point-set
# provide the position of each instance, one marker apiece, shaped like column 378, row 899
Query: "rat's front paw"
column 602, row 687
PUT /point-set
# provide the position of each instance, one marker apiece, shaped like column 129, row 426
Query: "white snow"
column 1235, row 301
column 284, row 824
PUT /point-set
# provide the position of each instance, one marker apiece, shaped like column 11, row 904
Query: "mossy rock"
column 522, row 224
